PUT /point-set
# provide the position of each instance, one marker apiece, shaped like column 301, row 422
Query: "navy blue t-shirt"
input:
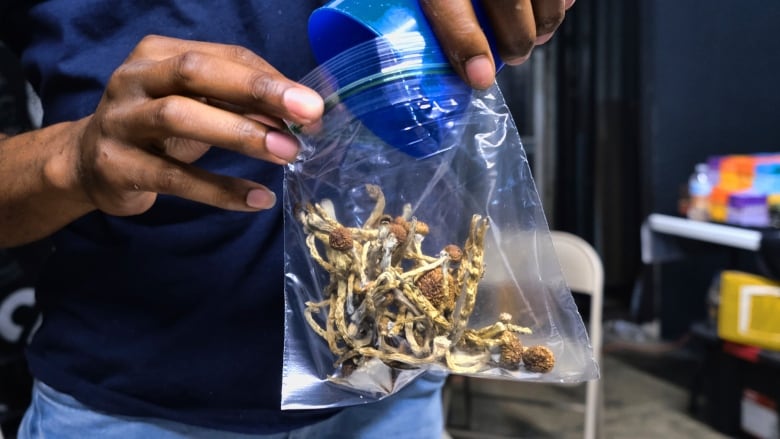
column 176, row 313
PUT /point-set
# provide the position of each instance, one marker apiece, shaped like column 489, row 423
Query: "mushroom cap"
column 401, row 221
column 340, row 239
column 511, row 354
column 399, row 231
column 538, row 359
column 422, row 229
column 455, row 252
column 431, row 286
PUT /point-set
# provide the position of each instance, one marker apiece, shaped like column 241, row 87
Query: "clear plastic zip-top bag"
column 414, row 238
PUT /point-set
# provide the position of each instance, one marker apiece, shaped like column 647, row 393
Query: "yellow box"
column 749, row 310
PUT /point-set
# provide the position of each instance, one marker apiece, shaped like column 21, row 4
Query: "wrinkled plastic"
column 457, row 164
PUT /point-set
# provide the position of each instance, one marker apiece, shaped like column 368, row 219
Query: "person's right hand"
column 518, row 25
column 166, row 105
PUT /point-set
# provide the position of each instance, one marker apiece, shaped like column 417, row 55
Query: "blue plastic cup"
column 342, row 24
column 408, row 114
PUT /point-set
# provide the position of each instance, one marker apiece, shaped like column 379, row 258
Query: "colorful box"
column 749, row 310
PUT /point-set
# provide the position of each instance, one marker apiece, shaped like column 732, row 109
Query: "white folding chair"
column 584, row 273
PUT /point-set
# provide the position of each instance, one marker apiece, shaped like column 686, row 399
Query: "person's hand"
column 163, row 108
column 519, row 25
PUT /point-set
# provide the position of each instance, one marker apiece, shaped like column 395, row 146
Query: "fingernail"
column 517, row 61
column 260, row 199
column 303, row 103
column 480, row 72
column 281, row 145
column 543, row 39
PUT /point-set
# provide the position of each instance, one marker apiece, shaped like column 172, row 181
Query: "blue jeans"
column 415, row 413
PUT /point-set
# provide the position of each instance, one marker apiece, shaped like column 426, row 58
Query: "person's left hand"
column 519, row 25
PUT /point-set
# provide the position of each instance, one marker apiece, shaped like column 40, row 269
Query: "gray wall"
column 710, row 72
column 708, row 86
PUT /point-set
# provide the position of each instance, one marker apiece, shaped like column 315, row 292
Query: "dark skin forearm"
column 40, row 195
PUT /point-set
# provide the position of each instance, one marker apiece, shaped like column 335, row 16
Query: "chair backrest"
column 581, row 265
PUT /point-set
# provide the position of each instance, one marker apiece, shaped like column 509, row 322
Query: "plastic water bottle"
column 699, row 189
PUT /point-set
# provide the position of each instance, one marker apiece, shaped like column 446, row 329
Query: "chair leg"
column 592, row 412
column 600, row 433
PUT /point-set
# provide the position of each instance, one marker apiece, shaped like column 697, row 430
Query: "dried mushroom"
column 387, row 300
column 538, row 359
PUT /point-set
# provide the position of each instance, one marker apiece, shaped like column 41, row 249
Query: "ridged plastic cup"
column 341, row 25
